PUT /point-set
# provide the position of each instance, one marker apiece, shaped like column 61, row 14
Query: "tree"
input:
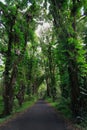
column 71, row 48
column 15, row 21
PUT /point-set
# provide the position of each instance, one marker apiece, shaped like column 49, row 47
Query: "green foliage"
column 28, row 103
column 62, row 105
column 1, row 104
column 70, row 52
column 58, row 54
column 42, row 90
column 17, row 110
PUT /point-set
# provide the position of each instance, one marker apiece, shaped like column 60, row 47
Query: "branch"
column 81, row 18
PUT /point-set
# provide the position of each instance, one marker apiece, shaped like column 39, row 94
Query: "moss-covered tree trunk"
column 51, row 73
column 8, row 89
column 73, row 66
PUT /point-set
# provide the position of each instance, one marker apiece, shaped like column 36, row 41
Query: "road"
column 39, row 117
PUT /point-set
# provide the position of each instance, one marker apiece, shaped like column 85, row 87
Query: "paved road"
column 39, row 117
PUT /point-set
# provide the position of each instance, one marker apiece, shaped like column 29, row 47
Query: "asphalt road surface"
column 39, row 117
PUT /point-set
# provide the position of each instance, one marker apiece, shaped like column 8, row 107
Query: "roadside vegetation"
column 43, row 53
column 17, row 110
column 62, row 107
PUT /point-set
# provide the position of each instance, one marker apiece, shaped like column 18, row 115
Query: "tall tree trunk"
column 75, row 91
column 73, row 68
column 48, row 87
column 52, row 75
column 8, row 90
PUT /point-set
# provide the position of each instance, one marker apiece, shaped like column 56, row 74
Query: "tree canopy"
column 44, row 42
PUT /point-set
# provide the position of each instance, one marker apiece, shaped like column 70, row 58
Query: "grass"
column 27, row 103
column 17, row 109
column 63, row 106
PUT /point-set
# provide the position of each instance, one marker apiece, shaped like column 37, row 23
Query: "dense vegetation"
column 43, row 51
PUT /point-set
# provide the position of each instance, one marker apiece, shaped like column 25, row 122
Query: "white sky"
column 2, row 1
column 41, row 28
column 44, row 27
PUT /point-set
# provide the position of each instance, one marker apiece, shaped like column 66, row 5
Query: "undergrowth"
column 62, row 105
column 29, row 101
